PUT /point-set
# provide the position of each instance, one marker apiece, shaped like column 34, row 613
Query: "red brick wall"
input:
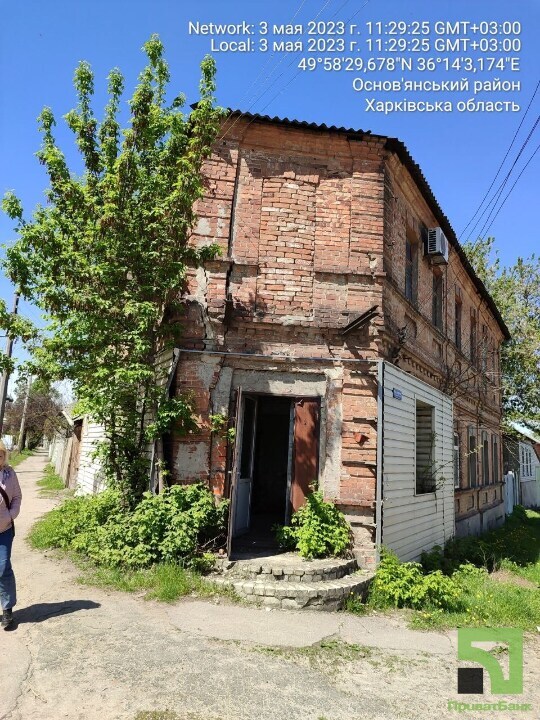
column 431, row 354
column 312, row 226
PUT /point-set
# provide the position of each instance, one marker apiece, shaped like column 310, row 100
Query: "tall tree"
column 106, row 258
column 516, row 291
column 43, row 412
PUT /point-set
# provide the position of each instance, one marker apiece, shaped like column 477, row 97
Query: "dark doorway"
column 271, row 465
column 277, row 452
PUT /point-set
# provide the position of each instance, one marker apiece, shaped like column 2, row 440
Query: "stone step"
column 321, row 595
column 288, row 568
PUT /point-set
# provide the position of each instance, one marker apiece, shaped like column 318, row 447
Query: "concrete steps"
column 290, row 582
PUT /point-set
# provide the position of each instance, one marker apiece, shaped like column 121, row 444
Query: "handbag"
column 3, row 493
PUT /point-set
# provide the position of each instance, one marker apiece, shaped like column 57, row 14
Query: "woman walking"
column 10, row 505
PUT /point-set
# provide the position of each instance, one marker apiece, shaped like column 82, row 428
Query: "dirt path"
column 87, row 654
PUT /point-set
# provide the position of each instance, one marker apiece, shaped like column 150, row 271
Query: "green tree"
column 106, row 258
column 516, row 291
column 43, row 412
column 14, row 327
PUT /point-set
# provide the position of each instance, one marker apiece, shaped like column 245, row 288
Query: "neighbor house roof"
column 526, row 432
column 398, row 147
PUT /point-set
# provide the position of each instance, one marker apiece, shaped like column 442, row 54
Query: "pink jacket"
column 10, row 483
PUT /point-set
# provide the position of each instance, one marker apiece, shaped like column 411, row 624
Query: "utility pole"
column 5, row 374
column 20, row 439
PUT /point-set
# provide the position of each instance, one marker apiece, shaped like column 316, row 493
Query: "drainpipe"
column 379, row 481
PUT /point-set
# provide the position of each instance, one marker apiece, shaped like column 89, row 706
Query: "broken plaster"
column 201, row 296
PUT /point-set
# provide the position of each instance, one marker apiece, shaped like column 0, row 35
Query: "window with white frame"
column 526, row 461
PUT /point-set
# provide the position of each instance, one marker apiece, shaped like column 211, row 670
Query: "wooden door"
column 233, row 465
column 75, row 455
column 245, row 462
column 306, row 449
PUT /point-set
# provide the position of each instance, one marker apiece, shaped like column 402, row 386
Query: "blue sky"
column 459, row 152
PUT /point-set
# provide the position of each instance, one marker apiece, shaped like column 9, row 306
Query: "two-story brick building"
column 349, row 346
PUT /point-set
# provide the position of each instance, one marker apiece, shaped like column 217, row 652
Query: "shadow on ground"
column 43, row 611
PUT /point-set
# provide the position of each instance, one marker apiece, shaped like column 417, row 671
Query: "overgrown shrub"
column 177, row 526
column 403, row 584
column 317, row 530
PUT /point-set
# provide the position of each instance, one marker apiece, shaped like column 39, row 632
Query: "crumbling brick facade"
column 313, row 224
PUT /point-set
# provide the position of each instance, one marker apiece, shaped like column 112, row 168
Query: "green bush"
column 317, row 530
column 403, row 584
column 177, row 526
column 518, row 540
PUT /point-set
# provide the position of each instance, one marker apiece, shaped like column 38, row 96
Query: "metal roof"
column 399, row 148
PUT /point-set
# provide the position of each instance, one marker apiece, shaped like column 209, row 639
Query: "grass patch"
column 486, row 603
column 475, row 598
column 165, row 581
column 332, row 654
column 17, row 457
column 50, row 483
column 325, row 655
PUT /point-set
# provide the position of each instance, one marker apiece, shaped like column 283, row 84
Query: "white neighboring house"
column 60, row 446
column 71, row 452
column 89, row 478
column 527, row 463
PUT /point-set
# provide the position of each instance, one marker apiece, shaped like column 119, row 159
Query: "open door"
column 242, row 466
column 244, row 474
column 233, row 467
column 306, row 450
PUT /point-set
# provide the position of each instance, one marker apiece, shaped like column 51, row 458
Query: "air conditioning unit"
column 437, row 246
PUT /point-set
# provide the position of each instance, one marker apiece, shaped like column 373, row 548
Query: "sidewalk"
column 84, row 653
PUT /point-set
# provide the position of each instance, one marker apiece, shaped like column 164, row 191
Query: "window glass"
column 425, row 440
column 437, row 313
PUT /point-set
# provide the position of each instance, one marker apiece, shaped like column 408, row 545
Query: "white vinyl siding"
column 90, row 476
column 415, row 522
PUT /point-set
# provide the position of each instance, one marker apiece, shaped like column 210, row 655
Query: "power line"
column 283, row 73
column 327, row 2
column 513, row 186
column 498, row 194
column 269, row 59
column 503, row 160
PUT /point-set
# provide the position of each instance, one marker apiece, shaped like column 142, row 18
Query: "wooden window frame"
column 411, row 268
column 472, row 465
column 438, row 295
column 495, row 458
column 486, row 475
column 458, row 308
column 473, row 338
column 457, row 460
